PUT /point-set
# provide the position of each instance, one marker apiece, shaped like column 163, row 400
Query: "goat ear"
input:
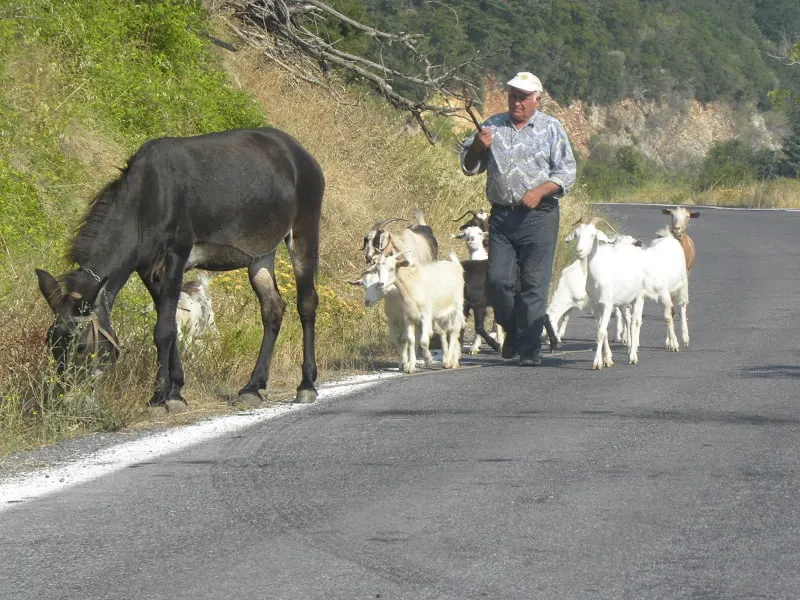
column 603, row 237
column 694, row 215
column 570, row 236
column 458, row 236
column 51, row 289
column 666, row 211
column 358, row 282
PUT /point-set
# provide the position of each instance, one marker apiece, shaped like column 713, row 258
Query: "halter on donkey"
column 218, row 202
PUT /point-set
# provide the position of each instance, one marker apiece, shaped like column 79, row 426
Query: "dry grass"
column 778, row 193
column 375, row 168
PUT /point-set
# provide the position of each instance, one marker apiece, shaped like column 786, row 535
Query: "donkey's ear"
column 50, row 288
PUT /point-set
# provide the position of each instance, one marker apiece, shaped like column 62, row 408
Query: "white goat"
column 667, row 281
column 419, row 300
column 416, row 241
column 474, row 237
column 614, row 278
column 570, row 292
column 195, row 316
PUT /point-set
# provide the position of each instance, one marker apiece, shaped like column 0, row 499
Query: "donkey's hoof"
column 306, row 396
column 250, row 399
column 157, row 410
column 176, row 405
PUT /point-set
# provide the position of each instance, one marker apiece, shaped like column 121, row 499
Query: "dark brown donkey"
column 219, row 202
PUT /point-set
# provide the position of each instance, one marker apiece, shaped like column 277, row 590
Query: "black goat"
column 476, row 300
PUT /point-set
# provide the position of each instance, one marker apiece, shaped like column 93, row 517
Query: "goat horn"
column 578, row 222
column 469, row 212
column 384, row 223
column 610, row 226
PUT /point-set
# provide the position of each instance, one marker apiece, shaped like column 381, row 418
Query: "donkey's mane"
column 94, row 221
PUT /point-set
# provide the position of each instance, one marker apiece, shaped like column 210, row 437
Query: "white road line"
column 22, row 488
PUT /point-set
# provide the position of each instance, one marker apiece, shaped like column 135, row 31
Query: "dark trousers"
column 522, row 245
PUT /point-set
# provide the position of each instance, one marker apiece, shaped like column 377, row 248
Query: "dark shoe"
column 509, row 349
column 530, row 360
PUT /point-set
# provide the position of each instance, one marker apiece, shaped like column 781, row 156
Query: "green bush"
column 733, row 163
column 609, row 171
column 144, row 66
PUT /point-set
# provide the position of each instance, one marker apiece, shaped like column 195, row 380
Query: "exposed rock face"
column 674, row 135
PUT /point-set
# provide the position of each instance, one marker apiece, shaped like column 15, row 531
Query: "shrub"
column 609, row 170
column 733, row 163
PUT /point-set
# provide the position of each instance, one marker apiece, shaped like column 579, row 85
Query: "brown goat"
column 678, row 222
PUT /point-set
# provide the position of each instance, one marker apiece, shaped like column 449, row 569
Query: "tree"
column 791, row 144
column 305, row 35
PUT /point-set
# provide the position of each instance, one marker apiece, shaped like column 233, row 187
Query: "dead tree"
column 284, row 32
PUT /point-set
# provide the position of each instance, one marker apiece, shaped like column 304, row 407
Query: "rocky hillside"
column 675, row 137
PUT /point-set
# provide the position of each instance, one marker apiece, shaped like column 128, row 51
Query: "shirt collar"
column 510, row 121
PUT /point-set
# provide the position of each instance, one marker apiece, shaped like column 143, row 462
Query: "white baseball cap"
column 526, row 82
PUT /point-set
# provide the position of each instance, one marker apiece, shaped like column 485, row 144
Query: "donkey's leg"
column 169, row 375
column 304, row 249
column 262, row 279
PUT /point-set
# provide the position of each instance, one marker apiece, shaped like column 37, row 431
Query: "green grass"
column 82, row 85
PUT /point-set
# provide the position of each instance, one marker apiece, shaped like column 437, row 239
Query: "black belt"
column 509, row 207
column 547, row 203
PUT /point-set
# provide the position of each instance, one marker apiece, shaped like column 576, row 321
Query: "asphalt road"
column 675, row 478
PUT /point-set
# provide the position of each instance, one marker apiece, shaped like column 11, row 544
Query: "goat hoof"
column 306, row 396
column 176, row 405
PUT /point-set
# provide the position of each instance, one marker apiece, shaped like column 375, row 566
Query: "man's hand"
column 532, row 198
column 483, row 139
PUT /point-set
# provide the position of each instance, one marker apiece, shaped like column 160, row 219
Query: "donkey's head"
column 81, row 336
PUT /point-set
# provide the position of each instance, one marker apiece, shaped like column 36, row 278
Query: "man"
column 530, row 166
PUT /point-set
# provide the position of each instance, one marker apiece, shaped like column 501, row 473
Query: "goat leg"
column 551, row 334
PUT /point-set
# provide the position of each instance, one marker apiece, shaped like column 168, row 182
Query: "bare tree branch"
column 282, row 31
column 788, row 50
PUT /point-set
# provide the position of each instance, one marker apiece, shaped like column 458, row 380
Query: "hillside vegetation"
column 82, row 85
column 602, row 52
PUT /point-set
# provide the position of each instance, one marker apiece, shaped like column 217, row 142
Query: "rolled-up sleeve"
column 480, row 167
column 563, row 168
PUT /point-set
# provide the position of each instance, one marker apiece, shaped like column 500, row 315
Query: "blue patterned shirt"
column 520, row 160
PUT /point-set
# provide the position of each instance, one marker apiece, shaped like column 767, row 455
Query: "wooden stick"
column 473, row 117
